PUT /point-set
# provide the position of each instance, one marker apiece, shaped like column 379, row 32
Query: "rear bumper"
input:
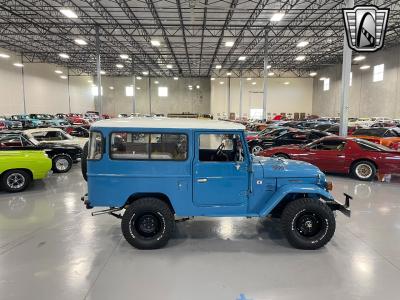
column 343, row 208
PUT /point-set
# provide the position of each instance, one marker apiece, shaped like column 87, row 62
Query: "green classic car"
column 19, row 167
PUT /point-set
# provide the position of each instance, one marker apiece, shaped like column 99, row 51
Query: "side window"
column 95, row 146
column 154, row 146
column 220, row 147
column 330, row 145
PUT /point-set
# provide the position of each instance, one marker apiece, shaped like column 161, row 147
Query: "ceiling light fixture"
column 271, row 74
column 242, row 58
column 18, row 65
column 103, row 72
column 155, row 43
column 58, row 71
column 63, row 77
column 139, row 78
column 69, row 13
column 197, row 86
column 302, row 44
column 176, row 78
column 300, row 58
column 286, row 83
column 80, row 42
column 119, row 66
column 249, row 78
column 359, row 58
column 269, row 67
column 156, row 82
column 254, row 83
column 111, row 88
column 221, row 82
column 138, row 88
column 229, row 43
column 63, row 55
column 218, row 66
column 3, row 55
column 277, row 17
column 322, row 78
column 365, row 67
column 145, row 73
column 212, row 78
column 313, row 73
column 169, row 66
column 229, row 74
column 124, row 56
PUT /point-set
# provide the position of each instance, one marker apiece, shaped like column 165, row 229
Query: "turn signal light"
column 329, row 185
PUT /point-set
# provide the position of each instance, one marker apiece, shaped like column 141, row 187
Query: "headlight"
column 329, row 185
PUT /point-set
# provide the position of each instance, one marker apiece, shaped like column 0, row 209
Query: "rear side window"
column 148, row 146
column 95, row 146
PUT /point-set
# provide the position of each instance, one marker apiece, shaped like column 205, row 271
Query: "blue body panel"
column 195, row 188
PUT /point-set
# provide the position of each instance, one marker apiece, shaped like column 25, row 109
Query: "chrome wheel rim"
column 364, row 171
column 257, row 149
column 15, row 181
column 62, row 164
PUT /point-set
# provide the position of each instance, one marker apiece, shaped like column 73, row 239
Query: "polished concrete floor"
column 51, row 248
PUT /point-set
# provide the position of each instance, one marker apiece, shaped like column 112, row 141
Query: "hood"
column 277, row 167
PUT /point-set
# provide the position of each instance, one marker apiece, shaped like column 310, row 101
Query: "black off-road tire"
column 85, row 152
column 356, row 173
column 23, row 176
column 294, row 220
column 134, row 224
column 67, row 161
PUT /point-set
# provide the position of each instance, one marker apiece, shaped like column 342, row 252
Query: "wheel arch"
column 22, row 169
column 163, row 197
column 282, row 153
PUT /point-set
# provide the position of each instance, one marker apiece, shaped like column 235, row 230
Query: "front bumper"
column 343, row 208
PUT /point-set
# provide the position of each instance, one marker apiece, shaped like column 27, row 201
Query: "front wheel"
column 148, row 223
column 62, row 163
column 256, row 149
column 15, row 180
column 308, row 223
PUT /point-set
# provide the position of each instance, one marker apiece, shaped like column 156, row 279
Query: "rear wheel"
column 148, row 223
column 62, row 163
column 15, row 180
column 364, row 170
column 308, row 223
column 256, row 149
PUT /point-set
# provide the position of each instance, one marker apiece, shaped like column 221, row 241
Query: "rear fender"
column 311, row 190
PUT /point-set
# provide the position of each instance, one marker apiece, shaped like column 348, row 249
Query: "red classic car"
column 360, row 158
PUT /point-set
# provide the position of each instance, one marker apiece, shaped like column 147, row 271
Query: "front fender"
column 312, row 190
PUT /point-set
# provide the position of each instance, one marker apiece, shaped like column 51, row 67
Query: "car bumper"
column 343, row 208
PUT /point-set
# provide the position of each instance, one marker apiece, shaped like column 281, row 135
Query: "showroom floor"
column 51, row 248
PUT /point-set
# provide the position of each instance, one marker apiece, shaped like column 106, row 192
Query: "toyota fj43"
column 153, row 169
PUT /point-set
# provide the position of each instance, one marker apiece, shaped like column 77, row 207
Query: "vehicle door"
column 328, row 155
column 220, row 170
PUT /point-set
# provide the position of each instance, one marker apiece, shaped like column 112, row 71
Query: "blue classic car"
column 153, row 169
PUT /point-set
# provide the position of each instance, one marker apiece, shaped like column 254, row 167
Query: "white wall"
column 45, row 91
column 281, row 98
column 367, row 98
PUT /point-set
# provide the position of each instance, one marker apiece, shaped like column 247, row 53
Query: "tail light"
column 395, row 146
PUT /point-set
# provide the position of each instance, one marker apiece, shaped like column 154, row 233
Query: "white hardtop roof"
column 45, row 129
column 176, row 123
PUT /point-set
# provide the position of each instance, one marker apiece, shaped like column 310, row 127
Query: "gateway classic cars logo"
column 365, row 27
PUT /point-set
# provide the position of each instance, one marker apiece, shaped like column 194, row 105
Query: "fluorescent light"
column 63, row 55
column 277, row 17
column 229, row 43
column 365, row 67
column 139, row 78
column 80, row 42
column 286, row 83
column 69, row 13
column 111, row 88
column 103, row 72
column 313, row 73
column 229, row 74
column 359, row 58
column 242, row 58
column 2, row 55
column 156, row 82
column 189, row 86
column 221, row 82
column 169, row 66
column 63, row 77
column 119, row 66
column 212, row 78
column 155, row 43
column 124, row 56
column 218, row 66
column 18, row 65
column 197, row 86
column 322, row 78
column 58, row 71
column 302, row 44
column 254, row 83
column 269, row 67
column 145, row 73
column 271, row 74
column 138, row 88
column 249, row 78
column 176, row 78
column 300, row 58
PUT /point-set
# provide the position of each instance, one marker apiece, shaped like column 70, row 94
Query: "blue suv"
column 149, row 170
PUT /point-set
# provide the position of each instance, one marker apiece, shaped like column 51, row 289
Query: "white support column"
column 241, row 96
column 134, row 87
column 228, row 96
column 69, row 94
column 98, row 65
column 265, row 81
column 345, row 88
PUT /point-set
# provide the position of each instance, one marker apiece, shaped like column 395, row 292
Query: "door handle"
column 202, row 180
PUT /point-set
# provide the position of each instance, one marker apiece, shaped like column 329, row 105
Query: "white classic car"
column 54, row 135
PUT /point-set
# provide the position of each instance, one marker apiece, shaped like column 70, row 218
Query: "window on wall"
column 378, row 73
column 129, row 90
column 256, row 113
column 326, row 84
column 351, row 79
column 162, row 91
